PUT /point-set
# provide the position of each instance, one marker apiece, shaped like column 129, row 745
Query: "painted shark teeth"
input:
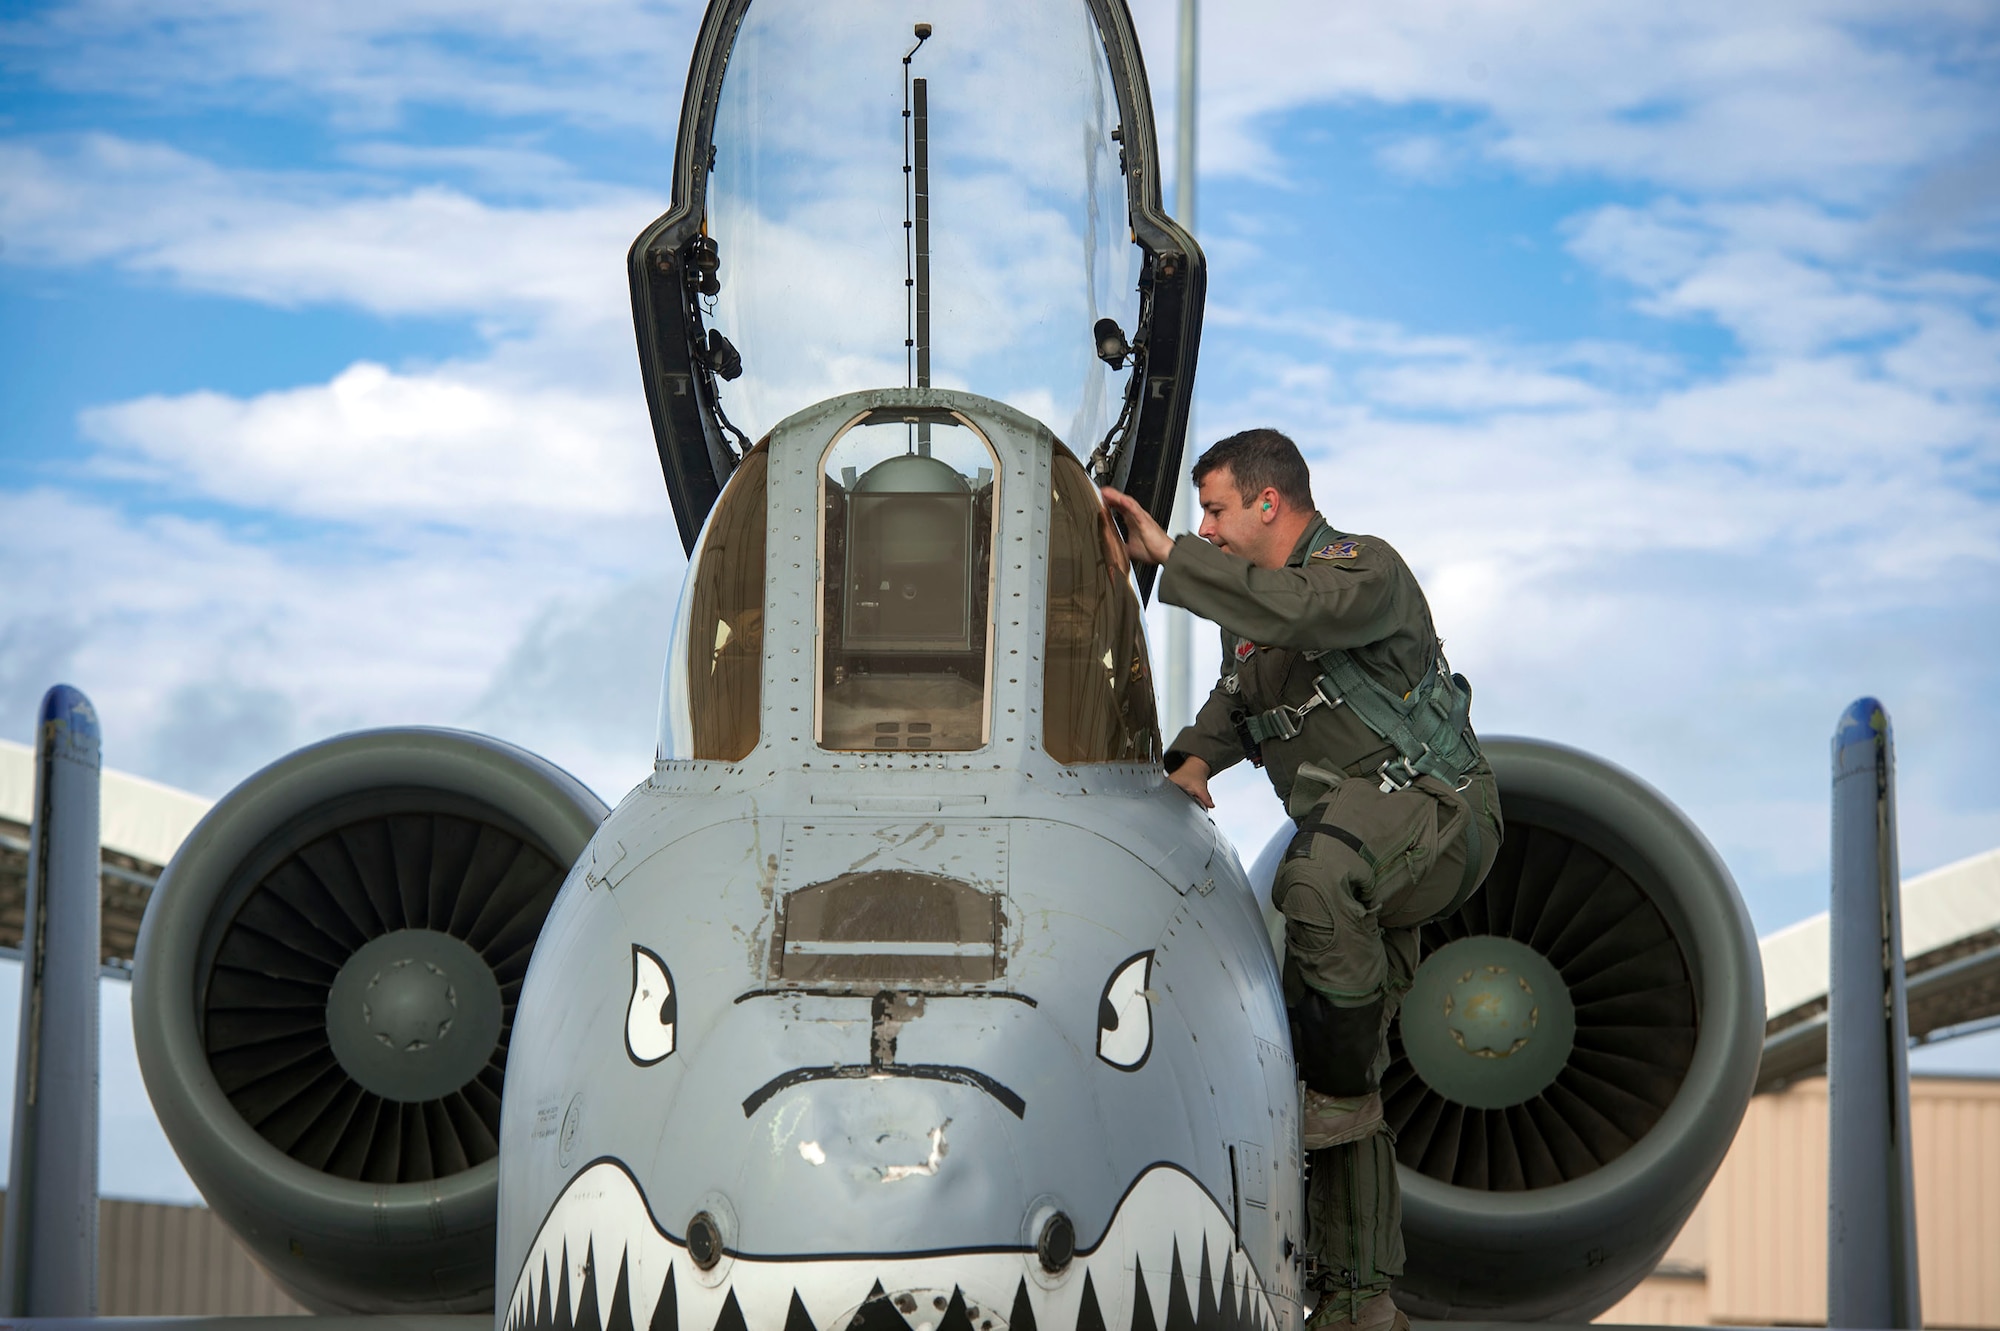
column 602, row 1263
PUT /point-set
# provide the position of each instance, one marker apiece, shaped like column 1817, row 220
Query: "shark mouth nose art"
column 1167, row 1262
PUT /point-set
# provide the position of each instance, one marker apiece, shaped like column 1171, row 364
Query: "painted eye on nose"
column 1125, row 1015
column 649, row 1018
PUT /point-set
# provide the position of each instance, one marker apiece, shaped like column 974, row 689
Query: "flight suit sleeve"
column 1211, row 737
column 1340, row 603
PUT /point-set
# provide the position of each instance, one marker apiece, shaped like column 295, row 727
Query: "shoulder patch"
column 1337, row 550
column 1244, row 651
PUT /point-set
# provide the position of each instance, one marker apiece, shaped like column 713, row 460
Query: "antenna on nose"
column 917, row 231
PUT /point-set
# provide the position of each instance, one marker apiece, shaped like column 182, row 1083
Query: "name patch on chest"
column 1337, row 550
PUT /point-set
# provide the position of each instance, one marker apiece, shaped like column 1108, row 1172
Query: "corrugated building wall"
column 1755, row 1251
column 158, row 1260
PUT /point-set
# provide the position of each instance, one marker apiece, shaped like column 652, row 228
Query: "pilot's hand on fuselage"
column 1144, row 538
column 1192, row 776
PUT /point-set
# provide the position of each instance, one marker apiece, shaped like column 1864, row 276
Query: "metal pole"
column 920, row 132
column 1871, row 1228
column 1180, row 624
column 48, row 1252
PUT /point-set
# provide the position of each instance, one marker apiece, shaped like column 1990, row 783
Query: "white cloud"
column 170, row 622
column 293, row 238
column 1806, row 95
column 581, row 686
column 458, row 446
column 1425, row 157
column 547, row 425
column 398, row 537
column 597, row 61
column 516, row 168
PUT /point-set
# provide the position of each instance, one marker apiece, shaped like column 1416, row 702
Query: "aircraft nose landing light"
column 1488, row 1022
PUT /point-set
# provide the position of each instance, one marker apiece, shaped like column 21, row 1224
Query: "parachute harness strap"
column 1430, row 727
column 1283, row 722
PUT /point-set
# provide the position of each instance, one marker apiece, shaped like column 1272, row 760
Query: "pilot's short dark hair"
column 1260, row 460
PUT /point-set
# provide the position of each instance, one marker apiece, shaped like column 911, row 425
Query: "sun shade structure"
column 865, row 200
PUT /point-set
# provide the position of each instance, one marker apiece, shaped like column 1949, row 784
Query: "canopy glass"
column 851, row 195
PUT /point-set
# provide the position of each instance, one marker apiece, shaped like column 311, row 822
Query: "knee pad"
column 1335, row 1047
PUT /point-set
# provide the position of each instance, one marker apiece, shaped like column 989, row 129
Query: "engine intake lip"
column 253, row 1184
column 276, row 984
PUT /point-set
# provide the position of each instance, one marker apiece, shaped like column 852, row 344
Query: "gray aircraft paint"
column 929, row 1169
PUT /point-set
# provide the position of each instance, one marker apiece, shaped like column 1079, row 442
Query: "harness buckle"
column 1390, row 785
column 1286, row 721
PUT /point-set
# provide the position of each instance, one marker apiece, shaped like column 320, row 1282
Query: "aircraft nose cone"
column 414, row 1014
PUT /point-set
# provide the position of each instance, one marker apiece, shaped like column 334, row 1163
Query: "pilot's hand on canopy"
column 1192, row 776
column 1144, row 538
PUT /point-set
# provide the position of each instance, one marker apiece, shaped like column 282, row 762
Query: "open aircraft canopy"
column 890, row 193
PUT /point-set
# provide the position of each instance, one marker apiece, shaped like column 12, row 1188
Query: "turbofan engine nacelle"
column 1575, row 1052
column 322, row 1000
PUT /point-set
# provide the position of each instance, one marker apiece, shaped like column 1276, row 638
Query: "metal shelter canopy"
column 143, row 823
column 1951, row 949
column 681, row 261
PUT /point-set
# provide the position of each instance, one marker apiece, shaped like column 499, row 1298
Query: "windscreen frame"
column 904, row 415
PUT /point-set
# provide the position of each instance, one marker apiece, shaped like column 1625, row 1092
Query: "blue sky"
column 1664, row 342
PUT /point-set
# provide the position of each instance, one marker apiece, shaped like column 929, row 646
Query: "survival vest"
column 1430, row 727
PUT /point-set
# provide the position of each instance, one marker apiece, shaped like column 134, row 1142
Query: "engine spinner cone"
column 1488, row 1022
column 414, row 1015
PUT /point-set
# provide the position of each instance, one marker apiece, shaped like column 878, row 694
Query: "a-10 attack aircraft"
column 906, row 994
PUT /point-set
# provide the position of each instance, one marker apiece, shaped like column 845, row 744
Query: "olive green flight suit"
column 1366, row 868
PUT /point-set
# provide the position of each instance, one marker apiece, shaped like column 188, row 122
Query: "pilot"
column 1335, row 683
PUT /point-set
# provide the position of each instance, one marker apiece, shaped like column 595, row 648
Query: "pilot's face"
column 1227, row 522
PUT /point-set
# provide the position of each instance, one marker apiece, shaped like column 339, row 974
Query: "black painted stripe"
column 921, row 1071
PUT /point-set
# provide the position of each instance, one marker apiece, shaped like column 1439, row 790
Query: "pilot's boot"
column 1377, row 1313
column 1335, row 1120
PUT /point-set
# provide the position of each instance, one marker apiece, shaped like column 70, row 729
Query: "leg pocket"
column 1398, row 832
column 1329, row 933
